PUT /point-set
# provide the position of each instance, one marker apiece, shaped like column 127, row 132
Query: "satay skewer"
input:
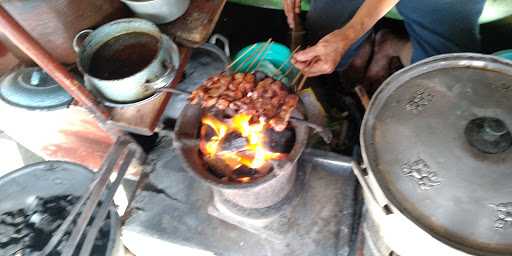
column 260, row 51
column 289, row 58
column 301, row 84
column 240, row 57
column 248, row 58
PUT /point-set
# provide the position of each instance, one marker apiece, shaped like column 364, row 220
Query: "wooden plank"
column 143, row 119
column 194, row 28
column 70, row 134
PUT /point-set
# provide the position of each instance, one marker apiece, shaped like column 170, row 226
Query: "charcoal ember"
column 219, row 168
column 280, row 142
column 244, row 172
column 234, row 142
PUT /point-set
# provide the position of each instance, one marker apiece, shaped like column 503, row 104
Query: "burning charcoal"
column 244, row 174
column 218, row 167
column 233, row 142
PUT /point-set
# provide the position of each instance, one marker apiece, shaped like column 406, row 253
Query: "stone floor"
column 13, row 155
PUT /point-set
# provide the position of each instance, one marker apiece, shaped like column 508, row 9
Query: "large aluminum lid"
column 437, row 140
column 32, row 88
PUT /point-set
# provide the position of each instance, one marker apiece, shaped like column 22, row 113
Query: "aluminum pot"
column 158, row 11
column 437, row 148
column 135, row 86
column 54, row 23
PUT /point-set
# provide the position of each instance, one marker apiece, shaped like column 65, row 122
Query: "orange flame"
column 254, row 155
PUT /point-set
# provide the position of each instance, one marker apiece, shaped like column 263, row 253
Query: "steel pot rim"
column 393, row 82
column 83, row 55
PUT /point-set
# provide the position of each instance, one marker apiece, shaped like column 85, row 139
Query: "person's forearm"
column 364, row 19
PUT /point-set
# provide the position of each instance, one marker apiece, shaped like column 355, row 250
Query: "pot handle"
column 362, row 176
column 223, row 39
column 80, row 38
column 169, row 72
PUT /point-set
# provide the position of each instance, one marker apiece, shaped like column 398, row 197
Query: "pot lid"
column 437, row 139
column 32, row 88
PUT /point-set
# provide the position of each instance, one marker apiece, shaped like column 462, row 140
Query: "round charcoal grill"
column 260, row 193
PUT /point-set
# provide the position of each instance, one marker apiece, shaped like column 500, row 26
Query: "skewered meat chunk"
column 222, row 103
column 249, row 78
column 278, row 124
column 209, row 102
column 239, row 76
column 240, row 93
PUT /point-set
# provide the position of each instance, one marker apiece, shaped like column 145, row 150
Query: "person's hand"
column 323, row 57
column 291, row 8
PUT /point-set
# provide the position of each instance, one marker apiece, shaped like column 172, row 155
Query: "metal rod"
column 25, row 42
column 115, row 150
column 94, row 197
column 103, row 211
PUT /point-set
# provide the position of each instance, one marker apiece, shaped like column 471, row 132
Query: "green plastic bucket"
column 273, row 61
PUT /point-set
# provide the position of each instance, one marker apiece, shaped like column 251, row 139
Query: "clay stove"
column 247, row 201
